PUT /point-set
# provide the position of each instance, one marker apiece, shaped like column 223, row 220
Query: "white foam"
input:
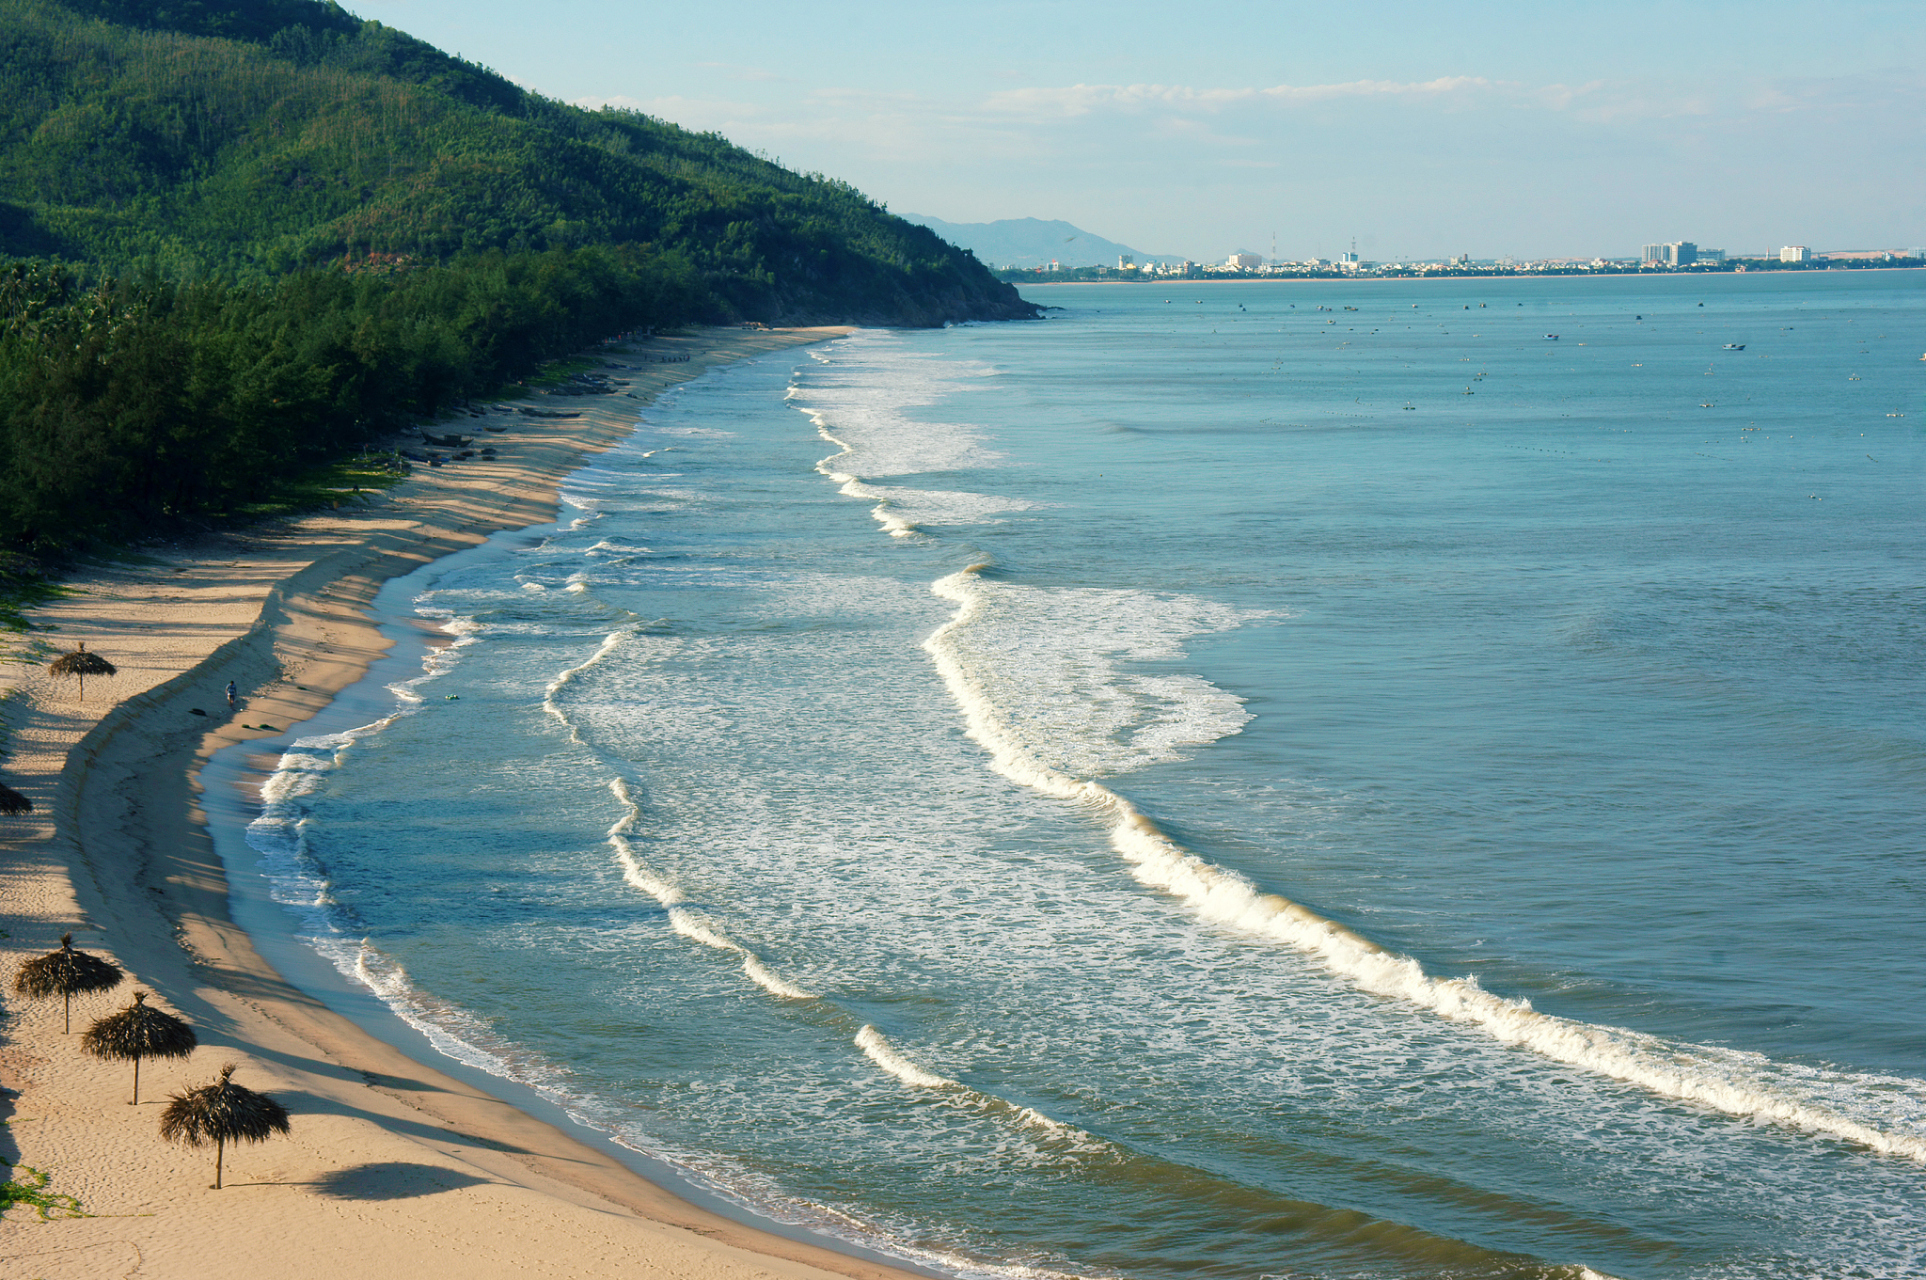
column 903, row 512
column 1878, row 1112
column 438, row 662
column 297, row 882
column 860, row 403
column 1048, row 666
column 1072, row 1141
column 760, row 975
column 895, row 525
column 694, row 927
column 451, row 1029
column 684, row 919
column 610, row 643
column 884, row 1054
column 863, row 405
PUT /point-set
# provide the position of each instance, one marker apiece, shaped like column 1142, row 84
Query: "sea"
column 1320, row 779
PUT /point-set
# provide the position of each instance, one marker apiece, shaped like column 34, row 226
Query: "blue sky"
column 1553, row 128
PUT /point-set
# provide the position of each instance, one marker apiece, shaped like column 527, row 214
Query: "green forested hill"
column 241, row 238
column 197, row 138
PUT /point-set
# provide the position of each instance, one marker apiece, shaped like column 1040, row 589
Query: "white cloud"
column 1081, row 99
column 1595, row 101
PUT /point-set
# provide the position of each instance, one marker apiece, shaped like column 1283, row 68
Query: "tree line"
column 134, row 403
column 247, row 140
column 238, row 237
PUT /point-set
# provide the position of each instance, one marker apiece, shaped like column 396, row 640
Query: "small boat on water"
column 1735, row 346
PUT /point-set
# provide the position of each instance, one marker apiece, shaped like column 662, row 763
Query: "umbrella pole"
column 67, row 1002
column 220, row 1145
column 136, row 1101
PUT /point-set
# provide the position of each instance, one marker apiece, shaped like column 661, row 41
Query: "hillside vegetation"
column 224, row 148
column 252, row 234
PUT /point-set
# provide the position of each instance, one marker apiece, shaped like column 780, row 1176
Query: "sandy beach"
column 393, row 1168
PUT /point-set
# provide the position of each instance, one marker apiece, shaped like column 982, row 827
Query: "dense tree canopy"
column 130, row 403
column 250, row 140
column 250, row 233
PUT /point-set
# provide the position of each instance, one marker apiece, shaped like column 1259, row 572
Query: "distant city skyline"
column 1424, row 132
column 1053, row 245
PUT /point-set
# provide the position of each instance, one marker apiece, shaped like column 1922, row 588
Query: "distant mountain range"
column 1032, row 242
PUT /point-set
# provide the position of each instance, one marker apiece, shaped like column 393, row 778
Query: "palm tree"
column 139, row 1032
column 63, row 972
column 221, row 1113
column 80, row 664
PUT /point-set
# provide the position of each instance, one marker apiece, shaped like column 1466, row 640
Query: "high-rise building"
column 1674, row 255
column 1679, row 253
column 1795, row 253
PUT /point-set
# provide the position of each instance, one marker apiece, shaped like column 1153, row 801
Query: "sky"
column 1554, row 129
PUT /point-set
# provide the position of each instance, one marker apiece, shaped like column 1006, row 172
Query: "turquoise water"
column 1212, row 783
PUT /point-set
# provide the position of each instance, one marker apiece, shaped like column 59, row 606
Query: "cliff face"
column 251, row 140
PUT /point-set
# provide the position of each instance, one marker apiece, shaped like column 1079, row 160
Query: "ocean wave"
column 881, row 1052
column 684, row 918
column 903, row 511
column 1047, row 664
column 878, row 1049
column 862, row 403
column 610, row 643
column 1878, row 1112
column 615, row 546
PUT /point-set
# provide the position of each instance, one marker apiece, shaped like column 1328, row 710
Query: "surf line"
column 852, row 486
column 1685, row 1072
column 878, row 1049
column 684, row 919
column 610, row 643
column 690, row 924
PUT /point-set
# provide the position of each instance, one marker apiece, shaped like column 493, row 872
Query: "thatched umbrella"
column 63, row 972
column 221, row 1113
column 12, row 802
column 80, row 664
column 139, row 1032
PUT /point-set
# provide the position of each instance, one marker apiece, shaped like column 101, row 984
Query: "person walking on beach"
column 233, row 696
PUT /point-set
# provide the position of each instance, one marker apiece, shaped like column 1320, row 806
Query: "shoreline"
column 391, row 1158
column 1339, row 278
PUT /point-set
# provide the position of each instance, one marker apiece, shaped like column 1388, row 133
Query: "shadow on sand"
column 392, row 1180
